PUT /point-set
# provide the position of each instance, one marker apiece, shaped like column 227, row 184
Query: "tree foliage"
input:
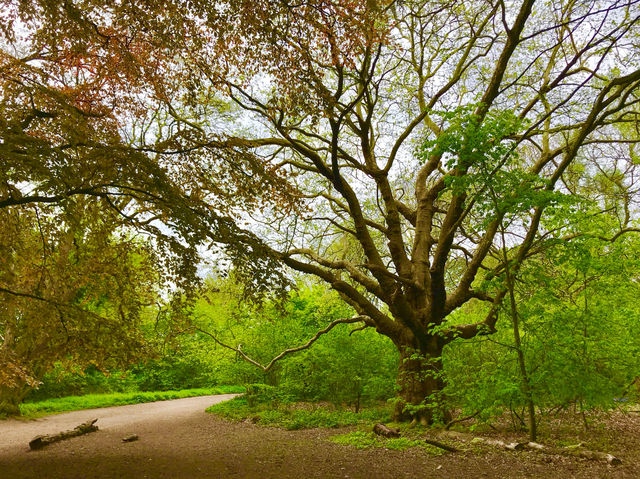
column 71, row 290
column 345, row 366
column 579, row 336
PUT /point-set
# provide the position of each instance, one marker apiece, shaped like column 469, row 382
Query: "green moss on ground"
column 297, row 415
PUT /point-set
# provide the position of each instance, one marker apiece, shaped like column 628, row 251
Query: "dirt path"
column 16, row 434
column 179, row 440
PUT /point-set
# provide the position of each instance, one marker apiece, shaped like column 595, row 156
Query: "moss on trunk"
column 420, row 387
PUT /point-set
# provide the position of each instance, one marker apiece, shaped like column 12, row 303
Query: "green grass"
column 297, row 415
column 91, row 401
column 364, row 440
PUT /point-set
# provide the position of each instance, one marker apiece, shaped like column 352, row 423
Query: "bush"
column 63, row 382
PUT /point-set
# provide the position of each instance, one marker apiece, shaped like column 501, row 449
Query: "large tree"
column 404, row 152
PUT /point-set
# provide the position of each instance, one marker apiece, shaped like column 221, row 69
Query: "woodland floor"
column 177, row 439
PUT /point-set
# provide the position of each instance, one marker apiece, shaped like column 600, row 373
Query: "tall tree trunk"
column 420, row 384
column 526, row 383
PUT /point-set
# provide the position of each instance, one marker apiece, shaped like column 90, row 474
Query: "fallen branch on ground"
column 441, row 445
column 572, row 451
column 39, row 442
column 386, row 431
column 510, row 446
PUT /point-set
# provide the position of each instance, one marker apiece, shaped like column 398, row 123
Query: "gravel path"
column 16, row 434
column 179, row 440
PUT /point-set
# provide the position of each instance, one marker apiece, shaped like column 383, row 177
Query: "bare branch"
column 356, row 319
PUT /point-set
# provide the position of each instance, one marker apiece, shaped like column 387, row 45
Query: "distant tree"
column 286, row 131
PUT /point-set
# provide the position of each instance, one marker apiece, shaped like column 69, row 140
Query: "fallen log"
column 39, row 442
column 570, row 451
column 464, row 437
column 576, row 452
column 510, row 446
column 382, row 430
column 441, row 445
column 130, row 438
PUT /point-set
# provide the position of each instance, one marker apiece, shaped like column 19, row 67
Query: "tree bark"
column 420, row 384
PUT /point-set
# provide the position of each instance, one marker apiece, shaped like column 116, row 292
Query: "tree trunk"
column 420, row 384
column 10, row 399
column 526, row 383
